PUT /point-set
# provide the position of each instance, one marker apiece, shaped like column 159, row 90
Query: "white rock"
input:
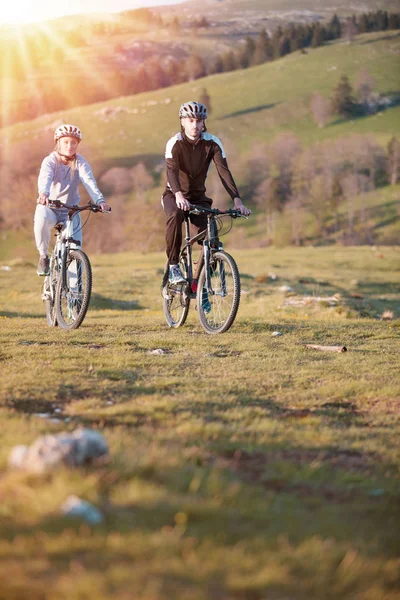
column 17, row 456
column 51, row 451
column 76, row 507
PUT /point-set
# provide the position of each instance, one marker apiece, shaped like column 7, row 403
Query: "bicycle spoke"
column 176, row 300
column 73, row 295
column 217, row 310
column 49, row 291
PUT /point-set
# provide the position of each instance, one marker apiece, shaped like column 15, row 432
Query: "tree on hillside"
column 382, row 20
column 174, row 27
column 195, row 67
column 175, row 71
column 275, row 42
column 365, row 84
column 318, row 37
column 142, row 81
column 257, row 164
column 262, row 50
column 282, row 153
column 116, row 181
column 295, row 34
column 363, row 25
column 320, row 109
column 350, row 29
column 156, row 74
column 245, row 54
column 393, row 160
column 334, row 28
column 268, row 198
column 394, row 21
column 142, row 181
column 352, row 185
column 217, row 66
column 229, row 61
column 319, row 197
column 283, row 45
column 205, row 99
column 343, row 102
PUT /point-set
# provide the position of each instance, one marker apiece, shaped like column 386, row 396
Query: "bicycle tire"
column 49, row 291
column 176, row 299
column 73, row 296
column 218, row 311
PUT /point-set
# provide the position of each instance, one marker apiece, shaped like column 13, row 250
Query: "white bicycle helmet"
column 67, row 130
column 193, row 110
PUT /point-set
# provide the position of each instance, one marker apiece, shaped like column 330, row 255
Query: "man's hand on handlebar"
column 181, row 201
column 241, row 207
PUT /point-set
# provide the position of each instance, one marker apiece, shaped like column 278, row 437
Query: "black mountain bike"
column 215, row 282
column 67, row 288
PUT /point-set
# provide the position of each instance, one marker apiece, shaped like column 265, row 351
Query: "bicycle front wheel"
column 176, row 299
column 49, row 292
column 73, row 290
column 217, row 309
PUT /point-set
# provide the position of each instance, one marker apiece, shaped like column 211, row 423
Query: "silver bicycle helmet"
column 193, row 110
column 66, row 131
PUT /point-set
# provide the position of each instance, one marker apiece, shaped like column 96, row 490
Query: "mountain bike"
column 215, row 281
column 67, row 288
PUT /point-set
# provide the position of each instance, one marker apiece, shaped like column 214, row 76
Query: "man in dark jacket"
column 188, row 156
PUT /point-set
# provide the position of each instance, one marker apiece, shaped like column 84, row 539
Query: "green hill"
column 248, row 107
column 249, row 104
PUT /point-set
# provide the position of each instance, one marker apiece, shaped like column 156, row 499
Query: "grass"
column 243, row 466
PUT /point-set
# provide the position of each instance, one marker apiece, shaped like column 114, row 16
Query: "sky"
column 30, row 11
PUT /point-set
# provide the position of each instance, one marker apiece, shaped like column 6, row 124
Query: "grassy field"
column 243, row 466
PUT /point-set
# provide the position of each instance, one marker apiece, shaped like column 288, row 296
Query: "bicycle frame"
column 210, row 244
column 64, row 240
column 67, row 242
column 217, row 296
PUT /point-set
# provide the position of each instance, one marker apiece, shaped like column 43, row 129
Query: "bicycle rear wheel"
column 49, row 292
column 176, row 299
column 217, row 310
column 73, row 294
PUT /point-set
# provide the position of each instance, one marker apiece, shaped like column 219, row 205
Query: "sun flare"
column 20, row 12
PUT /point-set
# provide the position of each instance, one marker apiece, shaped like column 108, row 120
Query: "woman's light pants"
column 45, row 219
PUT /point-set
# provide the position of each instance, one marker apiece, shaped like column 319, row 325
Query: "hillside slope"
column 250, row 108
column 248, row 105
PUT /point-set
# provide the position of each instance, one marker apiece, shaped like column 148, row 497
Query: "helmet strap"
column 67, row 158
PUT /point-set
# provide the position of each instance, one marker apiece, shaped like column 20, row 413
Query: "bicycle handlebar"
column 196, row 210
column 57, row 205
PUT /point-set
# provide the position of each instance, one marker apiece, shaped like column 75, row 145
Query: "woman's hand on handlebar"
column 43, row 199
column 104, row 207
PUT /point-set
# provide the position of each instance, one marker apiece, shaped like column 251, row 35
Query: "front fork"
column 49, row 286
column 220, row 265
column 206, row 247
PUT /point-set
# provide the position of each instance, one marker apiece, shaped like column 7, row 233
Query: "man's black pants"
column 174, row 221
